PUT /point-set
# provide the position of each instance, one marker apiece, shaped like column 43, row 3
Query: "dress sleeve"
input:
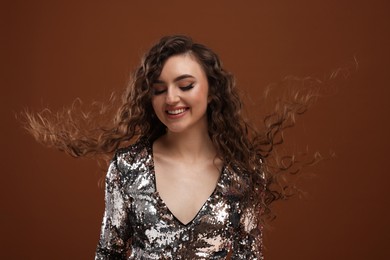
column 248, row 240
column 115, row 230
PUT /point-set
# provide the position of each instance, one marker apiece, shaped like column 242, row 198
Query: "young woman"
column 194, row 182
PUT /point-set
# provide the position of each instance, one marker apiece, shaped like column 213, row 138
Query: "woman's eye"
column 158, row 91
column 188, row 87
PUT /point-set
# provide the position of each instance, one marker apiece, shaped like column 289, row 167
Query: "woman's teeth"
column 176, row 111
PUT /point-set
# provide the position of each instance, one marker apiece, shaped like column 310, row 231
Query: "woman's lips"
column 176, row 112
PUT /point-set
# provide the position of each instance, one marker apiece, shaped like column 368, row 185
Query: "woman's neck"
column 189, row 147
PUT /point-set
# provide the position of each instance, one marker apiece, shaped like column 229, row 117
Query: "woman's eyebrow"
column 181, row 77
column 184, row 76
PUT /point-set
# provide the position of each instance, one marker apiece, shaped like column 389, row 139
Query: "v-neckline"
column 153, row 174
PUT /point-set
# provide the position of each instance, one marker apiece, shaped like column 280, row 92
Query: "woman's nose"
column 172, row 96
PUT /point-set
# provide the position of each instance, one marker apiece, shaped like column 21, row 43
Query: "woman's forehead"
column 180, row 67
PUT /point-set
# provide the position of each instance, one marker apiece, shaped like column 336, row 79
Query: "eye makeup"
column 188, row 87
column 159, row 88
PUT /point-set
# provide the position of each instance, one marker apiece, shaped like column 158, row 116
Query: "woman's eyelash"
column 188, row 87
column 185, row 88
column 158, row 92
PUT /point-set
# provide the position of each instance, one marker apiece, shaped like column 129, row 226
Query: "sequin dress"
column 138, row 225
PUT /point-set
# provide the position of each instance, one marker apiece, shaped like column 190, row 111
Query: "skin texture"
column 186, row 171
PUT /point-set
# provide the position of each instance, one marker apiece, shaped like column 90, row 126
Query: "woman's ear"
column 209, row 98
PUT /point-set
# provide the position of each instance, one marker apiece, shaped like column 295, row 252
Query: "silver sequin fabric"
column 138, row 225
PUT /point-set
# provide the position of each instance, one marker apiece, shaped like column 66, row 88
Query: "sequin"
column 138, row 225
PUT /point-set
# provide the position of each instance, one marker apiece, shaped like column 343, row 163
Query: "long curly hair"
column 238, row 143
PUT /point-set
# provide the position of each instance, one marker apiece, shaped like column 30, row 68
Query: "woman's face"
column 180, row 95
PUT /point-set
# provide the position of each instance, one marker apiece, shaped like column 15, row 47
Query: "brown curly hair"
column 238, row 144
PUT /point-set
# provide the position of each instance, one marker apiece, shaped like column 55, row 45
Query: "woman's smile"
column 176, row 111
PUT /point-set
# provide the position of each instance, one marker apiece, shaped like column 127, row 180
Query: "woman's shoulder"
column 133, row 155
column 237, row 175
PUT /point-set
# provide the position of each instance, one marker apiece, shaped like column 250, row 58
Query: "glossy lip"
column 171, row 116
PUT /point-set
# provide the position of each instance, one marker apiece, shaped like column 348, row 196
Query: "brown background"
column 55, row 51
